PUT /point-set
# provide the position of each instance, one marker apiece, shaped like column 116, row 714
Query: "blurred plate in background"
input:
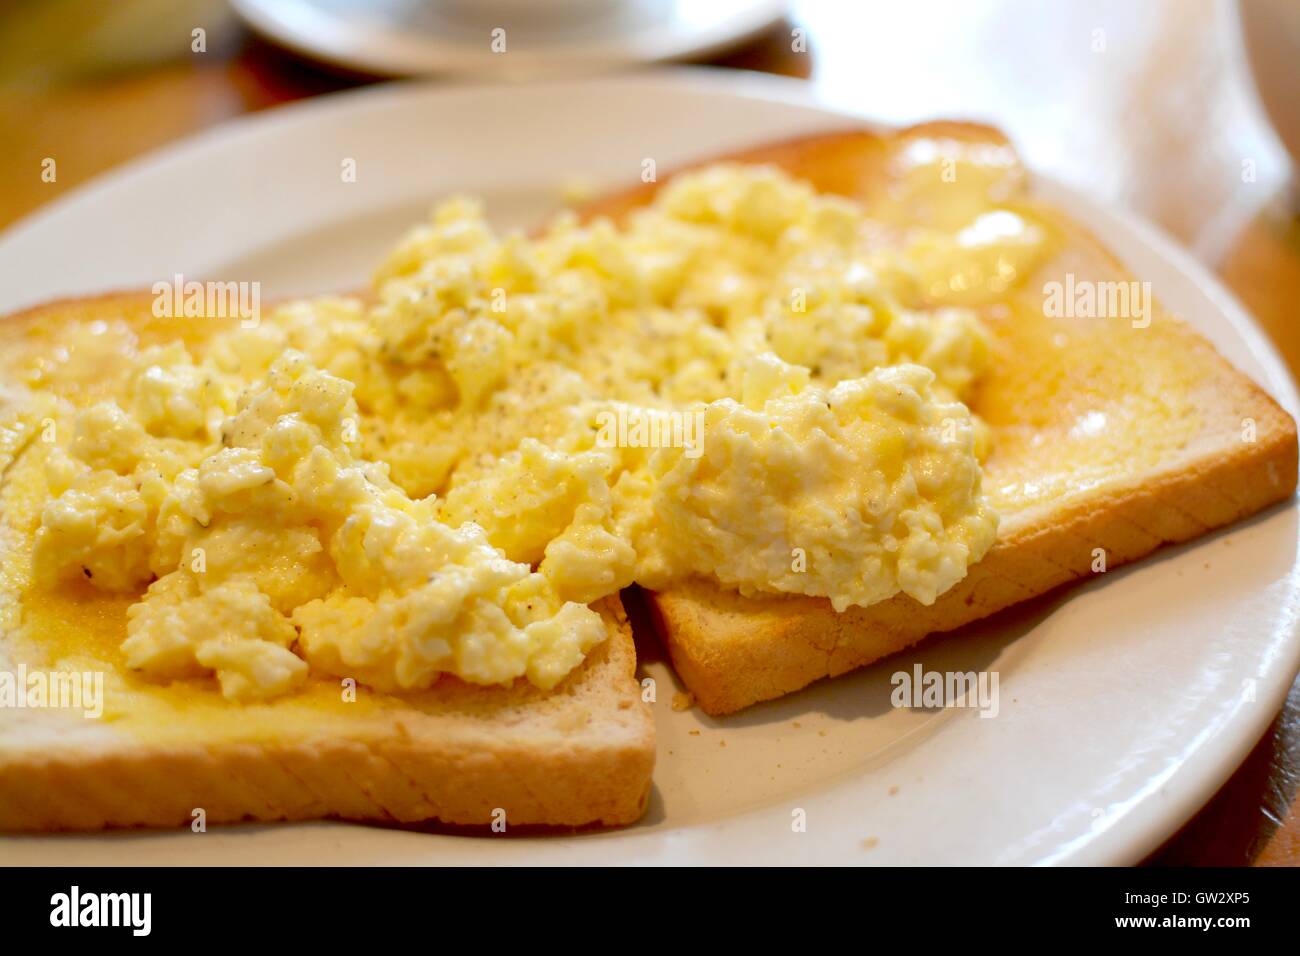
column 514, row 39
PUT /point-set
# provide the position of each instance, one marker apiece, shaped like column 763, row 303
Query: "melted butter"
column 1069, row 408
column 946, row 183
column 74, row 629
column 981, row 262
column 958, row 221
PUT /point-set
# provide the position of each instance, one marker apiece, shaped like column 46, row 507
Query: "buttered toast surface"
column 1114, row 431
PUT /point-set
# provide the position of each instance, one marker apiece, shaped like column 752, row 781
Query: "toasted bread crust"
column 581, row 755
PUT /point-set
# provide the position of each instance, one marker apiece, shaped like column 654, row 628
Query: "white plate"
column 1125, row 702
column 515, row 39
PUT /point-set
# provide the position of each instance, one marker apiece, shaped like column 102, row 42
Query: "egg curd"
column 422, row 482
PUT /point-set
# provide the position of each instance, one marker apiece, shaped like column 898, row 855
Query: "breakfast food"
column 445, row 680
column 362, row 557
column 1112, row 430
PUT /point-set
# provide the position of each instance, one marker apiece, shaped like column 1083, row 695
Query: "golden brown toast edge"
column 402, row 769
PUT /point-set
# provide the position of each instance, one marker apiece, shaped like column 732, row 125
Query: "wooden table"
column 1145, row 104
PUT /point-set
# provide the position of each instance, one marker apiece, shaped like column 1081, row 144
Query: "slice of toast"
column 1108, row 440
column 461, row 754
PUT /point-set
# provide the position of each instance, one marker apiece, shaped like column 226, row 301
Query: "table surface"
column 1147, row 105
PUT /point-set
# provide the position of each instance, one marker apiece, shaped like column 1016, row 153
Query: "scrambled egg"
column 441, row 479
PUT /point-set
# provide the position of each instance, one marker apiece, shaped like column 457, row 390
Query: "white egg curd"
column 438, row 478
